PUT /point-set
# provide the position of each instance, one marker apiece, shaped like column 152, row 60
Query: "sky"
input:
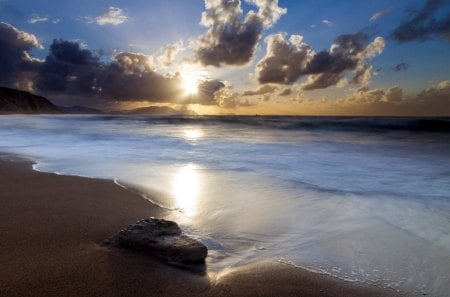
column 297, row 57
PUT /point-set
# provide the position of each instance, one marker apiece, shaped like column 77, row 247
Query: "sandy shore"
column 51, row 225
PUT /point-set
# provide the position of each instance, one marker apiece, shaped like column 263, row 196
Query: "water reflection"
column 186, row 186
column 192, row 133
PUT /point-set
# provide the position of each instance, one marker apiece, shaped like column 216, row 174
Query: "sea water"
column 362, row 199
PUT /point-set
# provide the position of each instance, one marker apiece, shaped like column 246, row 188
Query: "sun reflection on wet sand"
column 186, row 186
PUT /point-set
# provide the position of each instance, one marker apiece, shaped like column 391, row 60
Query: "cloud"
column 231, row 37
column 394, row 94
column 365, row 95
column 438, row 92
column 391, row 101
column 424, row 24
column 130, row 76
column 169, row 53
column 226, row 98
column 114, row 16
column 379, row 14
column 37, row 19
column 288, row 60
column 362, row 74
column 265, row 89
column 70, row 70
column 400, row 67
column 269, row 12
column 16, row 65
column 432, row 101
column 328, row 23
column 285, row 60
column 390, row 95
column 207, row 90
column 285, row 92
column 348, row 54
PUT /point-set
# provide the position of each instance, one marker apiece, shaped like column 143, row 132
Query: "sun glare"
column 190, row 83
column 192, row 133
column 191, row 76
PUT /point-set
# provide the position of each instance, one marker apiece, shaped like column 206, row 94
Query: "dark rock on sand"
column 164, row 240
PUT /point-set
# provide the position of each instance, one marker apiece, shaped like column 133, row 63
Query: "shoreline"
column 52, row 224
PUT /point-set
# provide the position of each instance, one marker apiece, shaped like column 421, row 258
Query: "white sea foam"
column 363, row 200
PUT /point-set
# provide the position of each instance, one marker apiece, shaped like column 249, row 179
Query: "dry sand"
column 51, row 225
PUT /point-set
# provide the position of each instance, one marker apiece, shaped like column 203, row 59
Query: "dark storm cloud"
column 15, row 62
column 206, row 92
column 69, row 70
column 424, row 24
column 231, row 38
column 71, row 53
column 322, row 81
column 286, row 61
column 131, row 77
column 347, row 54
column 400, row 67
column 342, row 56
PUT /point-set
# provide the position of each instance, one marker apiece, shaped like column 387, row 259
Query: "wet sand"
column 51, row 227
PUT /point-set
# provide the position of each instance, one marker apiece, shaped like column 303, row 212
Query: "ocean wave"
column 354, row 124
column 332, row 123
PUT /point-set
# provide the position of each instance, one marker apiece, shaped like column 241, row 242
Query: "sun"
column 189, row 83
column 191, row 76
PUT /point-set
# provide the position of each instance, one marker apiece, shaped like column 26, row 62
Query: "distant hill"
column 77, row 109
column 157, row 110
column 16, row 101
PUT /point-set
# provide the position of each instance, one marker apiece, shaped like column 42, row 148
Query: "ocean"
column 362, row 199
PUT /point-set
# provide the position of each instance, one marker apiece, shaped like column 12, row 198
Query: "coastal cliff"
column 16, row 101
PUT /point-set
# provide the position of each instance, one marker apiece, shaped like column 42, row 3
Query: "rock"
column 163, row 240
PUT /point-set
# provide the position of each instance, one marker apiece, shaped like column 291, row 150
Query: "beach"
column 224, row 148
column 52, row 225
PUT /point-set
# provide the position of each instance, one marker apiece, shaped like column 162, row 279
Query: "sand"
column 51, row 227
